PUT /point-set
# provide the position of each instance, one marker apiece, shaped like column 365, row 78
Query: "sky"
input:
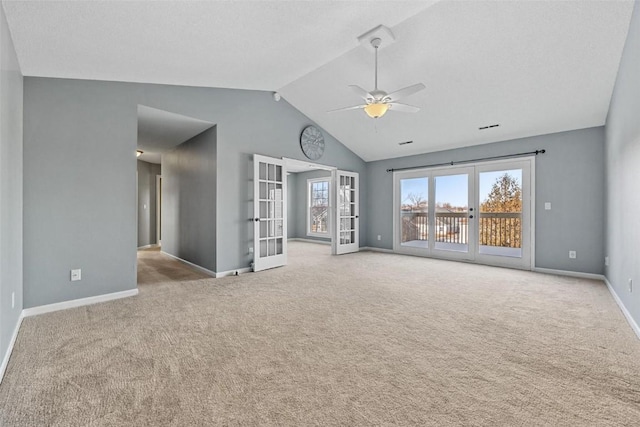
column 453, row 188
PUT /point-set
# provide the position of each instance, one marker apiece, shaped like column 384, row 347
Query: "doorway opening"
column 162, row 137
column 309, row 191
column 321, row 205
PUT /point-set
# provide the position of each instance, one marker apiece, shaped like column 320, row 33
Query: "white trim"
column 197, row 267
column 12, row 341
column 299, row 239
column 624, row 310
column 374, row 249
column 569, row 273
column 289, row 163
column 33, row 311
column 233, row 272
column 158, row 208
column 148, row 246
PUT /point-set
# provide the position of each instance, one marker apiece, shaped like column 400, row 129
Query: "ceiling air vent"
column 489, row 127
column 405, row 143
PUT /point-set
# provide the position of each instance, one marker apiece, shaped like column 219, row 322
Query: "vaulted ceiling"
column 533, row 67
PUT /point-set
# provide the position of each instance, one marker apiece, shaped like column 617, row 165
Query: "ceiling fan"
column 378, row 102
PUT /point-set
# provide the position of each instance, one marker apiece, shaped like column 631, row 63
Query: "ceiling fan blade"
column 404, row 92
column 355, row 107
column 403, row 108
column 361, row 92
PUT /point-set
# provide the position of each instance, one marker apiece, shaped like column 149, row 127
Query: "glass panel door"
column 453, row 219
column 270, row 243
column 347, row 203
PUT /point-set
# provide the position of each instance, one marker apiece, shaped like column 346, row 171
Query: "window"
column 318, row 208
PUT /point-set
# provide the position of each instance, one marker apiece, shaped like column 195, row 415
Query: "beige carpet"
column 363, row 339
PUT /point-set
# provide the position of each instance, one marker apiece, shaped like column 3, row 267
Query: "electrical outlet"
column 76, row 275
column 606, row 261
column 630, row 285
column 547, row 206
column 250, row 249
column 379, row 237
column 572, row 254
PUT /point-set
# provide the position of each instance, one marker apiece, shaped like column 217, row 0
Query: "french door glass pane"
column 414, row 212
column 500, row 216
column 452, row 211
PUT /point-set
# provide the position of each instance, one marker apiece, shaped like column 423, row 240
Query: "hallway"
column 156, row 267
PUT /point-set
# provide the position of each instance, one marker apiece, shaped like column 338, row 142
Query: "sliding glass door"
column 479, row 213
column 453, row 225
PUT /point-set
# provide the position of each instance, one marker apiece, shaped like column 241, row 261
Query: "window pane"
column 318, row 207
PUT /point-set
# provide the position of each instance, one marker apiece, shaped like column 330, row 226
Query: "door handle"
column 357, row 216
column 471, row 216
column 256, row 219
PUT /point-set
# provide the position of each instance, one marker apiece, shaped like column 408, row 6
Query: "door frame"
column 159, row 210
column 428, row 173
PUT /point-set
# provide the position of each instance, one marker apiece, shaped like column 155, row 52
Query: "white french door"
column 269, row 208
column 346, row 237
column 480, row 213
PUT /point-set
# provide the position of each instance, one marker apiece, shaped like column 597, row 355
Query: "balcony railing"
column 495, row 228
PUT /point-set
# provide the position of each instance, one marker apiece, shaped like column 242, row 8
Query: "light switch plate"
column 76, row 275
column 547, row 206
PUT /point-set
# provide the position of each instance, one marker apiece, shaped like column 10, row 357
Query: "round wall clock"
column 312, row 142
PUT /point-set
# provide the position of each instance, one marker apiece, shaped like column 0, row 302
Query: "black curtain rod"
column 506, row 156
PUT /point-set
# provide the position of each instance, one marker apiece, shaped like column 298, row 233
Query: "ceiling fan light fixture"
column 376, row 110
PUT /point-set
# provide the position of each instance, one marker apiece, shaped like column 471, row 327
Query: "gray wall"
column 10, row 186
column 79, row 189
column 623, row 174
column 298, row 204
column 189, row 200
column 570, row 176
column 275, row 130
column 80, row 143
column 147, row 209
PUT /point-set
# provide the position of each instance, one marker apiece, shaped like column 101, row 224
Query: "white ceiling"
column 159, row 131
column 535, row 67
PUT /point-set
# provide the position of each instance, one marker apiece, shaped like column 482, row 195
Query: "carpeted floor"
column 362, row 339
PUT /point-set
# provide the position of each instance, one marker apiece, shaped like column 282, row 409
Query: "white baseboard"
column 233, row 272
column 33, row 311
column 209, row 272
column 300, row 239
column 624, row 310
column 196, row 266
column 7, row 355
column 374, row 249
column 569, row 273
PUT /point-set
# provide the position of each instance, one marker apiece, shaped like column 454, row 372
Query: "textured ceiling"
column 534, row 67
